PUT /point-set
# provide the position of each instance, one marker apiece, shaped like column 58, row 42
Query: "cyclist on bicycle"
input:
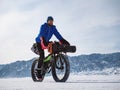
column 42, row 40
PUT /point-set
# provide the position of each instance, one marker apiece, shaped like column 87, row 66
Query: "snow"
column 75, row 82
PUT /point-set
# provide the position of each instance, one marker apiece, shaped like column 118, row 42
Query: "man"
column 42, row 40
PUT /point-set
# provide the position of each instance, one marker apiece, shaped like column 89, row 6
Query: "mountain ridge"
column 95, row 63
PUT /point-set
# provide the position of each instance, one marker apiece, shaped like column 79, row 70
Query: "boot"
column 39, row 74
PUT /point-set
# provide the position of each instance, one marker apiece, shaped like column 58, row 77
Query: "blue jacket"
column 47, row 31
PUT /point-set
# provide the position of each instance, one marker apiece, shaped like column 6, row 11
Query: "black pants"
column 42, row 55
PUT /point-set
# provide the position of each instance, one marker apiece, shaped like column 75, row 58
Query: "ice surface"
column 75, row 82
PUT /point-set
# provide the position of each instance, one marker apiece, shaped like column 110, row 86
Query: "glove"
column 63, row 41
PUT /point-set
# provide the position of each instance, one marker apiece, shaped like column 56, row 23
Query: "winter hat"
column 50, row 18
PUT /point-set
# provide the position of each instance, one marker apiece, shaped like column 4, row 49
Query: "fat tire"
column 67, row 72
column 32, row 71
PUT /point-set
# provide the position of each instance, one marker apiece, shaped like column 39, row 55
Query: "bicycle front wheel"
column 61, row 68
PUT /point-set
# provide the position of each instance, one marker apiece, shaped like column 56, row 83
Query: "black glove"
column 63, row 41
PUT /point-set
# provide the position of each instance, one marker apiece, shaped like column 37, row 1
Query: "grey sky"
column 92, row 25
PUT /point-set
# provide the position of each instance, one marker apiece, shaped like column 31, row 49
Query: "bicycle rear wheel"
column 61, row 68
column 34, row 71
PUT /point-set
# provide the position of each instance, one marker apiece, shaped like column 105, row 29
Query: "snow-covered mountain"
column 96, row 64
column 82, row 64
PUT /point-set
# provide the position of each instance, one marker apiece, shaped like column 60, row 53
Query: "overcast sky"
column 92, row 25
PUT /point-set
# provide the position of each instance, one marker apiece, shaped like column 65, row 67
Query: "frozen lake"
column 75, row 82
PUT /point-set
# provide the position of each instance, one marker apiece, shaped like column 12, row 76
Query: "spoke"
column 60, row 68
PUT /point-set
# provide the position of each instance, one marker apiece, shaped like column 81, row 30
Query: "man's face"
column 50, row 22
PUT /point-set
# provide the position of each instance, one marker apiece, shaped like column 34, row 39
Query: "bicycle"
column 56, row 62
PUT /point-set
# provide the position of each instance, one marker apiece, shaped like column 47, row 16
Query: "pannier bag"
column 34, row 48
column 56, row 48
